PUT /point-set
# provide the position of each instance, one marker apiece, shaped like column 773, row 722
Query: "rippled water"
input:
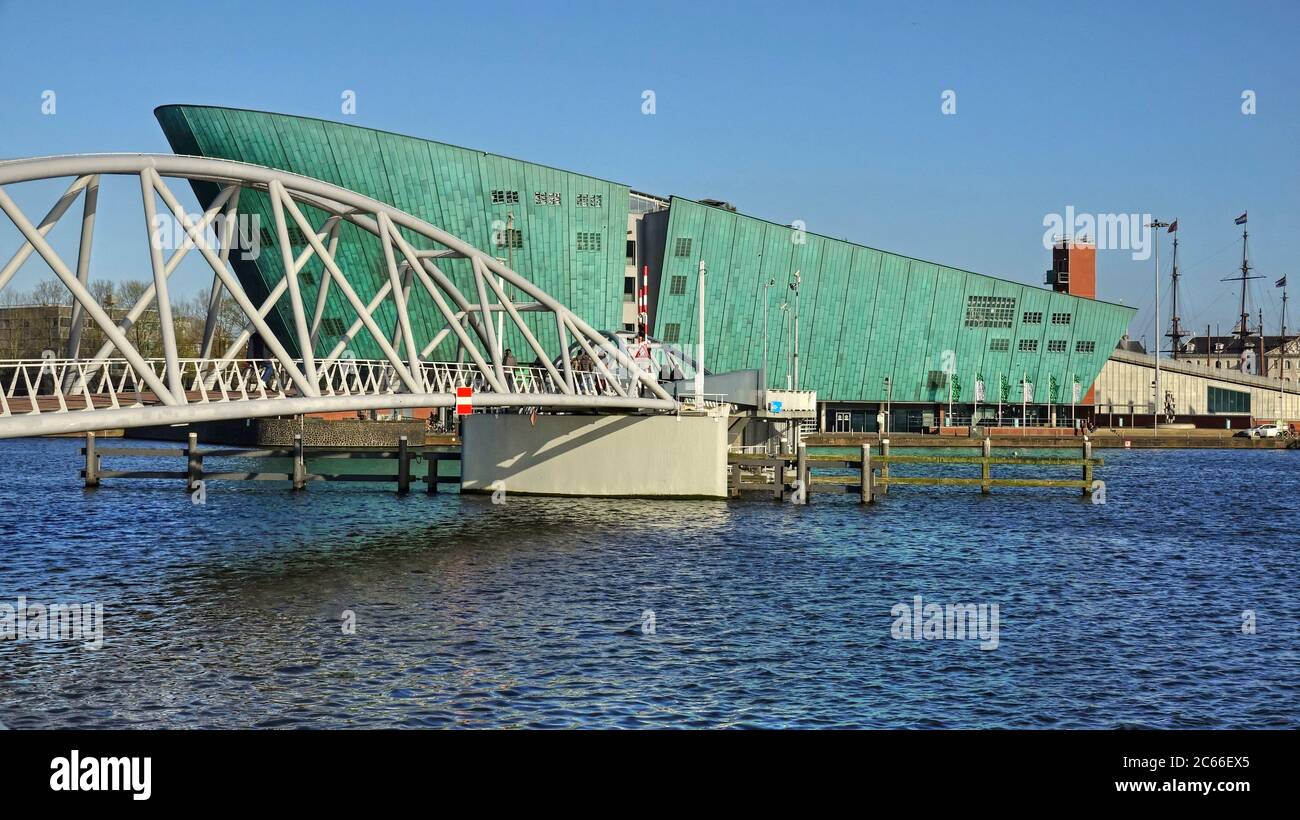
column 529, row 613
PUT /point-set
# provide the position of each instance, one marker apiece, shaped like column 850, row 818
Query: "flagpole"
column 1155, row 337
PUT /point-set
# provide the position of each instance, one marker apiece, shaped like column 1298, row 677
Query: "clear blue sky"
column 828, row 113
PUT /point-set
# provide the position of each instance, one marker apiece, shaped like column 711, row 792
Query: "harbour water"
column 1174, row 604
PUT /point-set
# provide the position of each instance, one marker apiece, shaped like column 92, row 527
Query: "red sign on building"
column 463, row 405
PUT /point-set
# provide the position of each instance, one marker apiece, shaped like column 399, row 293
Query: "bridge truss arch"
column 120, row 386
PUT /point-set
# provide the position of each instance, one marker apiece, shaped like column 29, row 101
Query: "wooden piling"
column 431, row 482
column 985, row 478
column 801, row 473
column 193, row 463
column 299, row 464
column 92, row 462
column 778, row 476
column 403, row 467
column 868, row 478
column 884, row 467
column 1087, row 465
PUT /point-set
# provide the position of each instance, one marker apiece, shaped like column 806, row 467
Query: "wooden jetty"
column 786, row 474
column 194, row 472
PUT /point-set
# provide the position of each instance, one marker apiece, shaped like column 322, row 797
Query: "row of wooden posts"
column 874, row 477
column 194, row 473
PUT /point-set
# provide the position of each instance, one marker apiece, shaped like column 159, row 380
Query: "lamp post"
column 785, row 321
column 699, row 346
column 889, row 402
column 794, row 286
column 1155, row 407
column 766, row 285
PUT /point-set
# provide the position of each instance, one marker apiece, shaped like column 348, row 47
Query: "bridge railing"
column 61, row 385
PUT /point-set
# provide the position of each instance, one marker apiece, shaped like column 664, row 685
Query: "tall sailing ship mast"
column 1176, row 333
column 1242, row 331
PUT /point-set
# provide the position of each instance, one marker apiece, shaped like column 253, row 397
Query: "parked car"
column 1264, row 431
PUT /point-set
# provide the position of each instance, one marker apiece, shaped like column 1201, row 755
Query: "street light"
column 1155, row 413
column 785, row 321
column 889, row 401
column 795, row 280
column 769, row 283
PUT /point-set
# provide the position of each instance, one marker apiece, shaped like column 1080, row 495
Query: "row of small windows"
column 296, row 237
column 333, row 326
column 511, row 237
column 1060, row 318
column 588, row 241
column 546, row 198
column 989, row 311
column 504, row 197
column 677, row 286
column 672, row 332
column 1031, row 317
column 1031, row 346
column 591, row 200
column 682, row 247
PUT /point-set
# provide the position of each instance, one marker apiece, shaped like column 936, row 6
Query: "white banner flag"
column 979, row 390
column 1077, row 391
column 1027, row 389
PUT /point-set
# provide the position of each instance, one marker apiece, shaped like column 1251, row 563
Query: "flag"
column 1053, row 391
column 1281, row 283
column 1241, row 220
column 1173, row 226
column 1004, row 387
column 1077, row 390
column 956, row 388
column 979, row 387
column 1027, row 390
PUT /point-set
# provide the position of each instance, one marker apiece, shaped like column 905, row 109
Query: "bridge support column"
column 612, row 455
column 403, row 466
column 92, row 462
column 299, row 464
column 193, row 463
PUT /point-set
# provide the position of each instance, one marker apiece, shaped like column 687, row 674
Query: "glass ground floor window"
column 1222, row 400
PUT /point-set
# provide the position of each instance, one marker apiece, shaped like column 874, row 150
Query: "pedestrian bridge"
column 119, row 386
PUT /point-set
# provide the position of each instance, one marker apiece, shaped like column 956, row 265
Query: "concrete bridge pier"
column 659, row 456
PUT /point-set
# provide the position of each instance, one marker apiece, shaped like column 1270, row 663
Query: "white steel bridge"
column 119, row 386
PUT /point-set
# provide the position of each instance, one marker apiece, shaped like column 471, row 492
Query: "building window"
column 588, row 241
column 512, row 237
column 1032, row 317
column 307, row 278
column 1028, row 346
column 989, row 311
column 1055, row 345
column 1060, row 318
column 682, row 247
column 590, row 200
column 999, row 345
column 333, row 325
column 1222, row 400
column 936, row 380
column 503, row 197
column 677, row 286
column 631, row 250
column 672, row 332
column 546, row 198
column 1085, row 347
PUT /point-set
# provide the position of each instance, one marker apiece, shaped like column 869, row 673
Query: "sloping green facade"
column 865, row 314
column 453, row 188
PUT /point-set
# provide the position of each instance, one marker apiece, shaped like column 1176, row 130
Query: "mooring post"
column 884, row 467
column 867, row 477
column 92, row 462
column 403, row 467
column 299, row 464
column 985, row 480
column 1087, row 465
column 778, row 476
column 735, row 480
column 432, row 460
column 801, row 473
column 193, row 463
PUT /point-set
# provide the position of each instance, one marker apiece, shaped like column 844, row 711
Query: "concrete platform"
column 595, row 455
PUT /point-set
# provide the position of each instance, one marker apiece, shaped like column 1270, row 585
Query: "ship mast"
column 1243, row 328
column 1176, row 333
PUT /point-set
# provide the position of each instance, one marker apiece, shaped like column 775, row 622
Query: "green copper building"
column 873, row 326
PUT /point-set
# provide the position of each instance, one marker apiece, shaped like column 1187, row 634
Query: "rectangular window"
column 1222, row 400
column 989, row 311
column 588, row 241
column 1085, row 347
column 672, row 332
column 546, row 198
column 307, row 278
column 999, row 345
column 590, row 200
column 936, row 379
column 1055, row 345
column 503, row 197
column 333, row 326
column 1060, row 318
column 677, row 286
column 1032, row 317
column 509, row 236
column 682, row 247
column 631, row 250
column 1028, row 346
